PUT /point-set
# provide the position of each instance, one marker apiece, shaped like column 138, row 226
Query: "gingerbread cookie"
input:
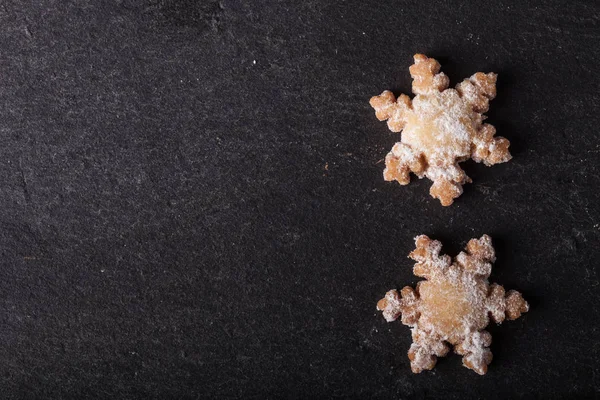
column 440, row 127
column 453, row 305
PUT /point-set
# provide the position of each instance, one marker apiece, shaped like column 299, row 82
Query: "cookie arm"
column 490, row 149
column 425, row 350
column 427, row 255
column 447, row 183
column 477, row 258
column 394, row 306
column 478, row 90
column 426, row 75
column 387, row 107
column 501, row 307
column 401, row 161
column 474, row 349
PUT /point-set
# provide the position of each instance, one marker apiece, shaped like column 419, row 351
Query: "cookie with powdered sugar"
column 453, row 306
column 440, row 128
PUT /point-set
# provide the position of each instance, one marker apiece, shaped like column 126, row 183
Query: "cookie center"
column 440, row 126
column 446, row 307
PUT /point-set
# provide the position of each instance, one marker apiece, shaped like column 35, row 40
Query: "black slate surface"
column 192, row 206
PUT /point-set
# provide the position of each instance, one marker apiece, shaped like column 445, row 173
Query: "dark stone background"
column 178, row 221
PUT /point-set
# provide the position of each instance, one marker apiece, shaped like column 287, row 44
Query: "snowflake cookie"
column 440, row 128
column 453, row 305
